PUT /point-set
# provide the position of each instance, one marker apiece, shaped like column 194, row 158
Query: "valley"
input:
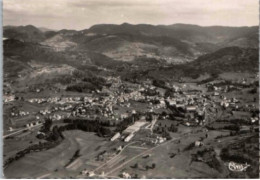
column 131, row 101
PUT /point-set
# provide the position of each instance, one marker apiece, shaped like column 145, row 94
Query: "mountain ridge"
column 124, row 46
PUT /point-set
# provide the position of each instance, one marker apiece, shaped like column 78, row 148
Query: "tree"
column 164, row 113
column 135, row 165
column 55, row 133
column 173, row 128
column 253, row 91
column 40, row 136
column 153, row 165
column 47, row 125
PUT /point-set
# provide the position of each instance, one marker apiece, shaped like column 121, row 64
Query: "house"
column 116, row 136
column 253, row 120
column 198, row 143
column 129, row 137
column 215, row 88
column 161, row 139
column 29, row 125
column 175, row 88
column 91, row 174
column 234, row 100
column 191, row 108
column 84, row 172
column 216, row 93
column 9, row 98
column 119, row 148
column 187, row 124
column 135, row 127
column 133, row 112
column 126, row 175
column 162, row 103
column 224, row 104
column 180, row 106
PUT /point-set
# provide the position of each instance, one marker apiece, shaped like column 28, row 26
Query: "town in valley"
column 131, row 101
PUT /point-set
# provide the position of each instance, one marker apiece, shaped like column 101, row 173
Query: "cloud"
column 79, row 14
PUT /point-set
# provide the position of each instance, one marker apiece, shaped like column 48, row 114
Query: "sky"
column 82, row 14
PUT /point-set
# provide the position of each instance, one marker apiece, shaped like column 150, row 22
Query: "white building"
column 128, row 138
column 126, row 175
column 116, row 136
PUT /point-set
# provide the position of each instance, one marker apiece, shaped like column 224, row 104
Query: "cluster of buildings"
column 229, row 102
column 57, row 100
column 20, row 113
column 33, row 124
column 8, row 98
column 194, row 105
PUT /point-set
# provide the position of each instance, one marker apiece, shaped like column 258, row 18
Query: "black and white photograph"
column 130, row 89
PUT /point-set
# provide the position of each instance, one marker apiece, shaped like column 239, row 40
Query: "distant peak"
column 184, row 25
column 125, row 24
column 30, row 26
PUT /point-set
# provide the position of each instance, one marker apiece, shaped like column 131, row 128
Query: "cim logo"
column 237, row 167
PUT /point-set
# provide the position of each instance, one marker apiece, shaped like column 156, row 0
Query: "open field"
column 38, row 163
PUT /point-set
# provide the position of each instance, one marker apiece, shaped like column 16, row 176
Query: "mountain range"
column 126, row 45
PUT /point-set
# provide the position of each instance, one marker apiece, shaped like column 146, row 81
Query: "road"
column 114, row 156
column 139, row 155
column 21, row 130
column 44, row 176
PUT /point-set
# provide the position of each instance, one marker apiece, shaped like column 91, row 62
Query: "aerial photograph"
column 139, row 89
